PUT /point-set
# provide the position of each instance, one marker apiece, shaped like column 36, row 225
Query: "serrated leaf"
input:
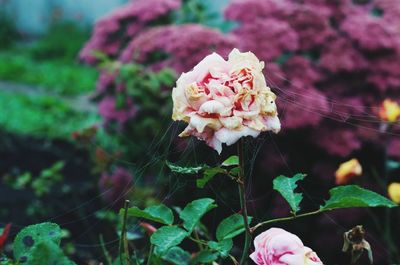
column 158, row 213
column 231, row 161
column 286, row 186
column 167, row 237
column 208, row 174
column 186, row 170
column 32, row 235
column 354, row 196
column 231, row 227
column 193, row 212
column 177, row 256
column 223, row 247
column 205, row 256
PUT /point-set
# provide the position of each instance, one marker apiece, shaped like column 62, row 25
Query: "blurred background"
column 85, row 105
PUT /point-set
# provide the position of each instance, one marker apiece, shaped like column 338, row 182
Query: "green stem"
column 123, row 242
column 243, row 203
column 196, row 235
column 150, row 254
column 284, row 219
column 105, row 252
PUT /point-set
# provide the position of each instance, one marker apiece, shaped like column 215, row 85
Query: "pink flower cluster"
column 330, row 62
column 183, row 46
column 322, row 57
column 112, row 32
column 114, row 186
column 277, row 247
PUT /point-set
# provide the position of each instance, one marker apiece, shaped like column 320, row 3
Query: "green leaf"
column 186, row 170
column 177, row 256
column 234, row 171
column 193, row 212
column 205, row 256
column 167, row 237
column 47, row 252
column 32, row 235
column 208, row 174
column 354, row 196
column 231, row 227
column 223, row 247
column 158, row 213
column 231, row 161
column 286, row 186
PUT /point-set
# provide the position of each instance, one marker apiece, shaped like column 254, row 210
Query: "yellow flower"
column 394, row 192
column 389, row 111
column 347, row 171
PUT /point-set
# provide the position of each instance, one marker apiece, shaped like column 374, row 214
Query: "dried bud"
column 355, row 243
column 148, row 227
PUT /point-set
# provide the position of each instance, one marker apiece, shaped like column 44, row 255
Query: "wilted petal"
column 231, row 122
column 232, row 136
column 214, row 107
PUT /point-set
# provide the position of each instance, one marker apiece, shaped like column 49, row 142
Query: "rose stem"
column 243, row 203
column 123, row 243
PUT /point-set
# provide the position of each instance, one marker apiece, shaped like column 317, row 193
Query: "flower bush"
column 330, row 78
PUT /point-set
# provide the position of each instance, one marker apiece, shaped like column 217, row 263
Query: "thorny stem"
column 283, row 219
column 123, row 242
column 243, row 203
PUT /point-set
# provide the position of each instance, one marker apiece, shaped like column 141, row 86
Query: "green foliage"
column 353, row 196
column 177, row 256
column 47, row 178
column 8, row 31
column 40, row 115
column 158, row 213
column 185, row 170
column 40, row 184
column 286, row 186
column 62, row 42
column 204, row 256
column 223, row 247
column 231, row 227
column 55, row 76
column 167, row 237
column 194, row 211
column 39, row 244
column 231, row 161
column 208, row 174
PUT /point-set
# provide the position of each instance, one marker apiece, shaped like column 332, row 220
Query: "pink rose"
column 277, row 246
column 223, row 101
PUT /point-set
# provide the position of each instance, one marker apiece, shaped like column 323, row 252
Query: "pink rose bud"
column 223, row 101
column 279, row 247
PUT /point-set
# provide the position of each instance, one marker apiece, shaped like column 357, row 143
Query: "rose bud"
column 277, row 246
